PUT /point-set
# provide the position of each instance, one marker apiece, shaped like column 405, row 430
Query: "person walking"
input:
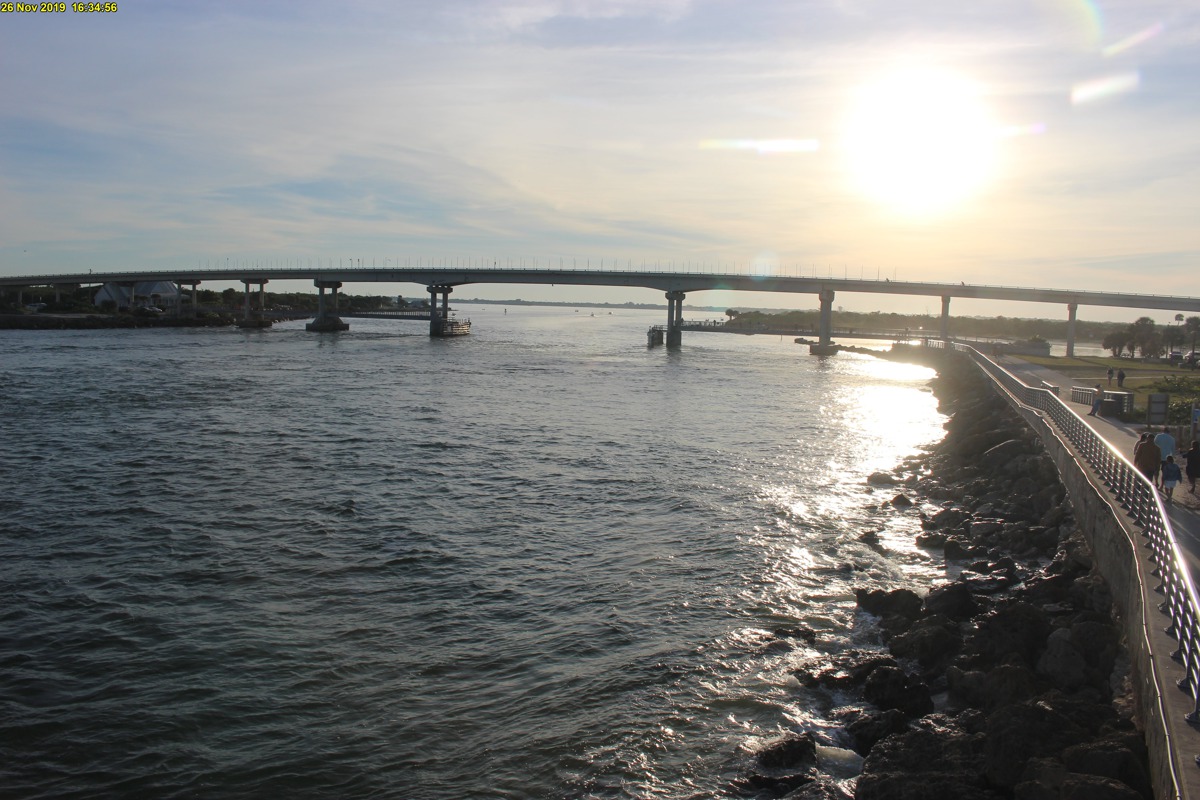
column 1110, row 376
column 1191, row 460
column 1166, row 447
column 1097, row 397
column 1120, row 378
column 1170, row 477
column 1147, row 457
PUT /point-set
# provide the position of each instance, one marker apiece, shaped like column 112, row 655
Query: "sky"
column 1045, row 143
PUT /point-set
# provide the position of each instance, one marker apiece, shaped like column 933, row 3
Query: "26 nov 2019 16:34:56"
column 57, row 8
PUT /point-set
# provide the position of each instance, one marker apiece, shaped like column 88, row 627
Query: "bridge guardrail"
column 1137, row 495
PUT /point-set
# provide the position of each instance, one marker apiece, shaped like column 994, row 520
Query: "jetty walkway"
column 1146, row 550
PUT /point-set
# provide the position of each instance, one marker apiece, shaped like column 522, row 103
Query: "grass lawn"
column 1141, row 378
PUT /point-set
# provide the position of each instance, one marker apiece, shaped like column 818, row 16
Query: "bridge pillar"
column 195, row 299
column 945, row 332
column 1071, row 309
column 438, row 293
column 326, row 322
column 675, row 319
column 825, row 325
column 249, row 321
column 825, row 345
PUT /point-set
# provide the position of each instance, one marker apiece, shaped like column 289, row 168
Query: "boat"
column 453, row 326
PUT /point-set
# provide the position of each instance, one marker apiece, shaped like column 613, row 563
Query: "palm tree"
column 1192, row 326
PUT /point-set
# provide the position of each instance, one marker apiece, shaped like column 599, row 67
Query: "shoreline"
column 1008, row 681
column 42, row 322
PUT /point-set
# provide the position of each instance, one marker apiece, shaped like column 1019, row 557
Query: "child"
column 1170, row 476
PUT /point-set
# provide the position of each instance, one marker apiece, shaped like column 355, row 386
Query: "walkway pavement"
column 1184, row 513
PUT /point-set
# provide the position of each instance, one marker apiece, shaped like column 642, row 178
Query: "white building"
column 162, row 294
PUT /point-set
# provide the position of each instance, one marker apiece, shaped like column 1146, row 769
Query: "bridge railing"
column 1133, row 492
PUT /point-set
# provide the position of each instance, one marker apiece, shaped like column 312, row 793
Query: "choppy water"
column 539, row 561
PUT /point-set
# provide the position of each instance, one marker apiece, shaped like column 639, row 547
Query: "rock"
column 882, row 479
column 1005, row 452
column 1110, row 759
column 904, row 602
column 931, row 539
column 1061, row 662
column 1043, row 780
column 929, row 642
column 1092, row 787
column 870, row 728
column 957, row 550
column 947, row 518
column 934, row 759
column 793, row 751
column 845, row 671
column 891, row 688
column 1014, row 628
column 981, row 528
column 823, row 788
column 901, row 501
column 756, row 781
column 953, row 600
column 1017, row 733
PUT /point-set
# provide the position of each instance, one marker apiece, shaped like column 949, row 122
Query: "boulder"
column 904, row 602
column 1061, row 662
column 871, row 728
column 892, row 688
column 1017, row 733
column 930, row 642
column 1093, row 787
column 1110, row 759
column 936, row 758
column 953, row 600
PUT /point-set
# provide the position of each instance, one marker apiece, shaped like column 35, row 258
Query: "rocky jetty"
column 1008, row 682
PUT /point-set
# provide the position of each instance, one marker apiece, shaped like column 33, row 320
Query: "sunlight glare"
column 920, row 141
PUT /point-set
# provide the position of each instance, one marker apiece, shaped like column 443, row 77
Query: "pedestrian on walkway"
column 1170, row 477
column 1192, row 465
column 1147, row 457
column 1110, row 376
column 1120, row 378
column 1166, row 447
column 1097, row 397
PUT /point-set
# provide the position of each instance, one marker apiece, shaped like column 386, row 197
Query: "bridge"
column 441, row 281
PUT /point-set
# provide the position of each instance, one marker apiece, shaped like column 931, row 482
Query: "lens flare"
column 1130, row 42
column 763, row 146
column 1100, row 88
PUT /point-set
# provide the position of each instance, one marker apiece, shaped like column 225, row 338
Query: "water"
column 539, row 561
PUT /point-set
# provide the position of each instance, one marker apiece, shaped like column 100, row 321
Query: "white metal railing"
column 1134, row 493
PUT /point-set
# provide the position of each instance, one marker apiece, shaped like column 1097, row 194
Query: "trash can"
column 1110, row 407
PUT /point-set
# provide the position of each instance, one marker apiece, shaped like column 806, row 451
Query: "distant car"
column 35, row 307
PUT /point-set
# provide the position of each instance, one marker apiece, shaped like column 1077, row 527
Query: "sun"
column 920, row 141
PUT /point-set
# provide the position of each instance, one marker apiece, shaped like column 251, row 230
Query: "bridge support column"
column 195, row 299
column 1072, row 308
column 248, row 320
column 675, row 319
column 825, row 345
column 326, row 322
column 441, row 324
column 945, row 331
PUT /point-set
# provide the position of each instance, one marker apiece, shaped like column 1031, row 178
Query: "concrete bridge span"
column 676, row 286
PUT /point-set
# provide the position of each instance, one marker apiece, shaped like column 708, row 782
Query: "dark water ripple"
column 540, row 562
